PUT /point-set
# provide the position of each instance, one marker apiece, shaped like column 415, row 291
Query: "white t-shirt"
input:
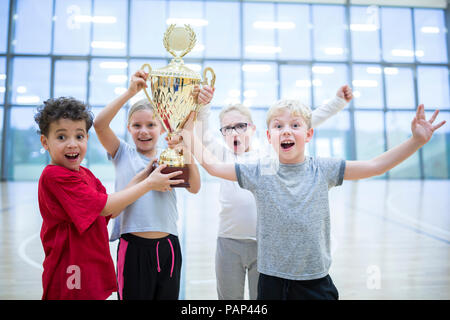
column 237, row 216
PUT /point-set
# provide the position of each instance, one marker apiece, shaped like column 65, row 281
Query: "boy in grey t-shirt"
column 293, row 220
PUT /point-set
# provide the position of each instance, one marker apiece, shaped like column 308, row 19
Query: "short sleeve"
column 81, row 201
column 333, row 170
column 119, row 152
column 247, row 175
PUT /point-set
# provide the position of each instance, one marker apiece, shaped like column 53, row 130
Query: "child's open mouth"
column 287, row 145
column 145, row 140
column 72, row 156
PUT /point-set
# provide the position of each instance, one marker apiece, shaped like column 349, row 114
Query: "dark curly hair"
column 62, row 108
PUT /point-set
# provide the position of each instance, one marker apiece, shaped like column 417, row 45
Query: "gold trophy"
column 173, row 93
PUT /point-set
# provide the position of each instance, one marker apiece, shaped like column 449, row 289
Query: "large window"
column 394, row 58
column 368, row 86
column 296, row 82
column 71, row 79
column 33, row 25
column 2, row 79
column 365, row 36
column 398, row 45
column 398, row 127
column 28, row 157
column 433, row 86
column 329, row 33
column 430, row 34
column 110, row 32
column 31, row 80
column 4, row 12
column 399, row 88
column 72, row 27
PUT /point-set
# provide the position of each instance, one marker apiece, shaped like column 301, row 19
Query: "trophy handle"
column 205, row 78
column 149, row 70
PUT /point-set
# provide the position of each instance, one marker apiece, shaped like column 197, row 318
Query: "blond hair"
column 294, row 106
column 142, row 104
column 245, row 111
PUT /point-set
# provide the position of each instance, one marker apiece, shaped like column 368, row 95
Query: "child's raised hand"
column 423, row 129
column 345, row 92
column 205, row 95
column 161, row 182
column 138, row 81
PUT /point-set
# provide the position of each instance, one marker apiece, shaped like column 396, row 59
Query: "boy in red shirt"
column 76, row 208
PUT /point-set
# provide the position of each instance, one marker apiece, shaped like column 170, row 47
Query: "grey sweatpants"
column 236, row 258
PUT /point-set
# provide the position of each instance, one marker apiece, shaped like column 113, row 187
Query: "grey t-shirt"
column 154, row 211
column 293, row 216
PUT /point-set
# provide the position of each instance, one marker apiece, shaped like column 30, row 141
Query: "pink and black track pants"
column 148, row 269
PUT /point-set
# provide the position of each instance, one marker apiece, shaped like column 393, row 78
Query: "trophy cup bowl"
column 173, row 97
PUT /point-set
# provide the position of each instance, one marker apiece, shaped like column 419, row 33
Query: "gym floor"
column 390, row 239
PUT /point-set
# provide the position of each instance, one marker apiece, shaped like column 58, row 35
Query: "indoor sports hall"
column 390, row 235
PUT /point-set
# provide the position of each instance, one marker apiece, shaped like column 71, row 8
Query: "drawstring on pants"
column 173, row 257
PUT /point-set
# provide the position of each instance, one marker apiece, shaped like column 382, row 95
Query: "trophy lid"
column 176, row 68
column 178, row 41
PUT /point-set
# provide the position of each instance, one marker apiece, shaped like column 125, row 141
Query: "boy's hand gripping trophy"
column 173, row 93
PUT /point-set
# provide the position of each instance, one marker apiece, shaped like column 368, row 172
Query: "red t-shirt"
column 78, row 263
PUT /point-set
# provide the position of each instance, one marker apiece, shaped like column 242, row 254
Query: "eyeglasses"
column 238, row 127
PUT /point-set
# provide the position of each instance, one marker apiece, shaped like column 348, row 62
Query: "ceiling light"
column 273, row 25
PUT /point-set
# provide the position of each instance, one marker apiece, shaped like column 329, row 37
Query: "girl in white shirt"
column 236, row 243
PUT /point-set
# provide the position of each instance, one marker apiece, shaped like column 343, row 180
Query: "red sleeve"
column 82, row 201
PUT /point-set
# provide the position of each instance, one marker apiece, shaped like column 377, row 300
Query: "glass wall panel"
column 4, row 18
column 2, row 79
column 329, row 32
column 33, row 37
column 107, row 80
column 259, row 116
column 367, row 86
column 327, row 79
column 364, row 28
column 398, row 129
column 399, row 88
column 228, row 82
column 433, row 87
column 31, row 80
column 259, row 34
column 398, row 45
column 220, row 44
column 369, row 134
column 261, row 51
column 109, row 34
column 294, row 31
column 72, row 27
column 259, row 84
column 296, row 83
column 28, row 157
column 71, row 79
column 430, row 30
column 96, row 156
column 332, row 137
column 192, row 13
column 146, row 38
column 436, row 153
column 1, row 129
